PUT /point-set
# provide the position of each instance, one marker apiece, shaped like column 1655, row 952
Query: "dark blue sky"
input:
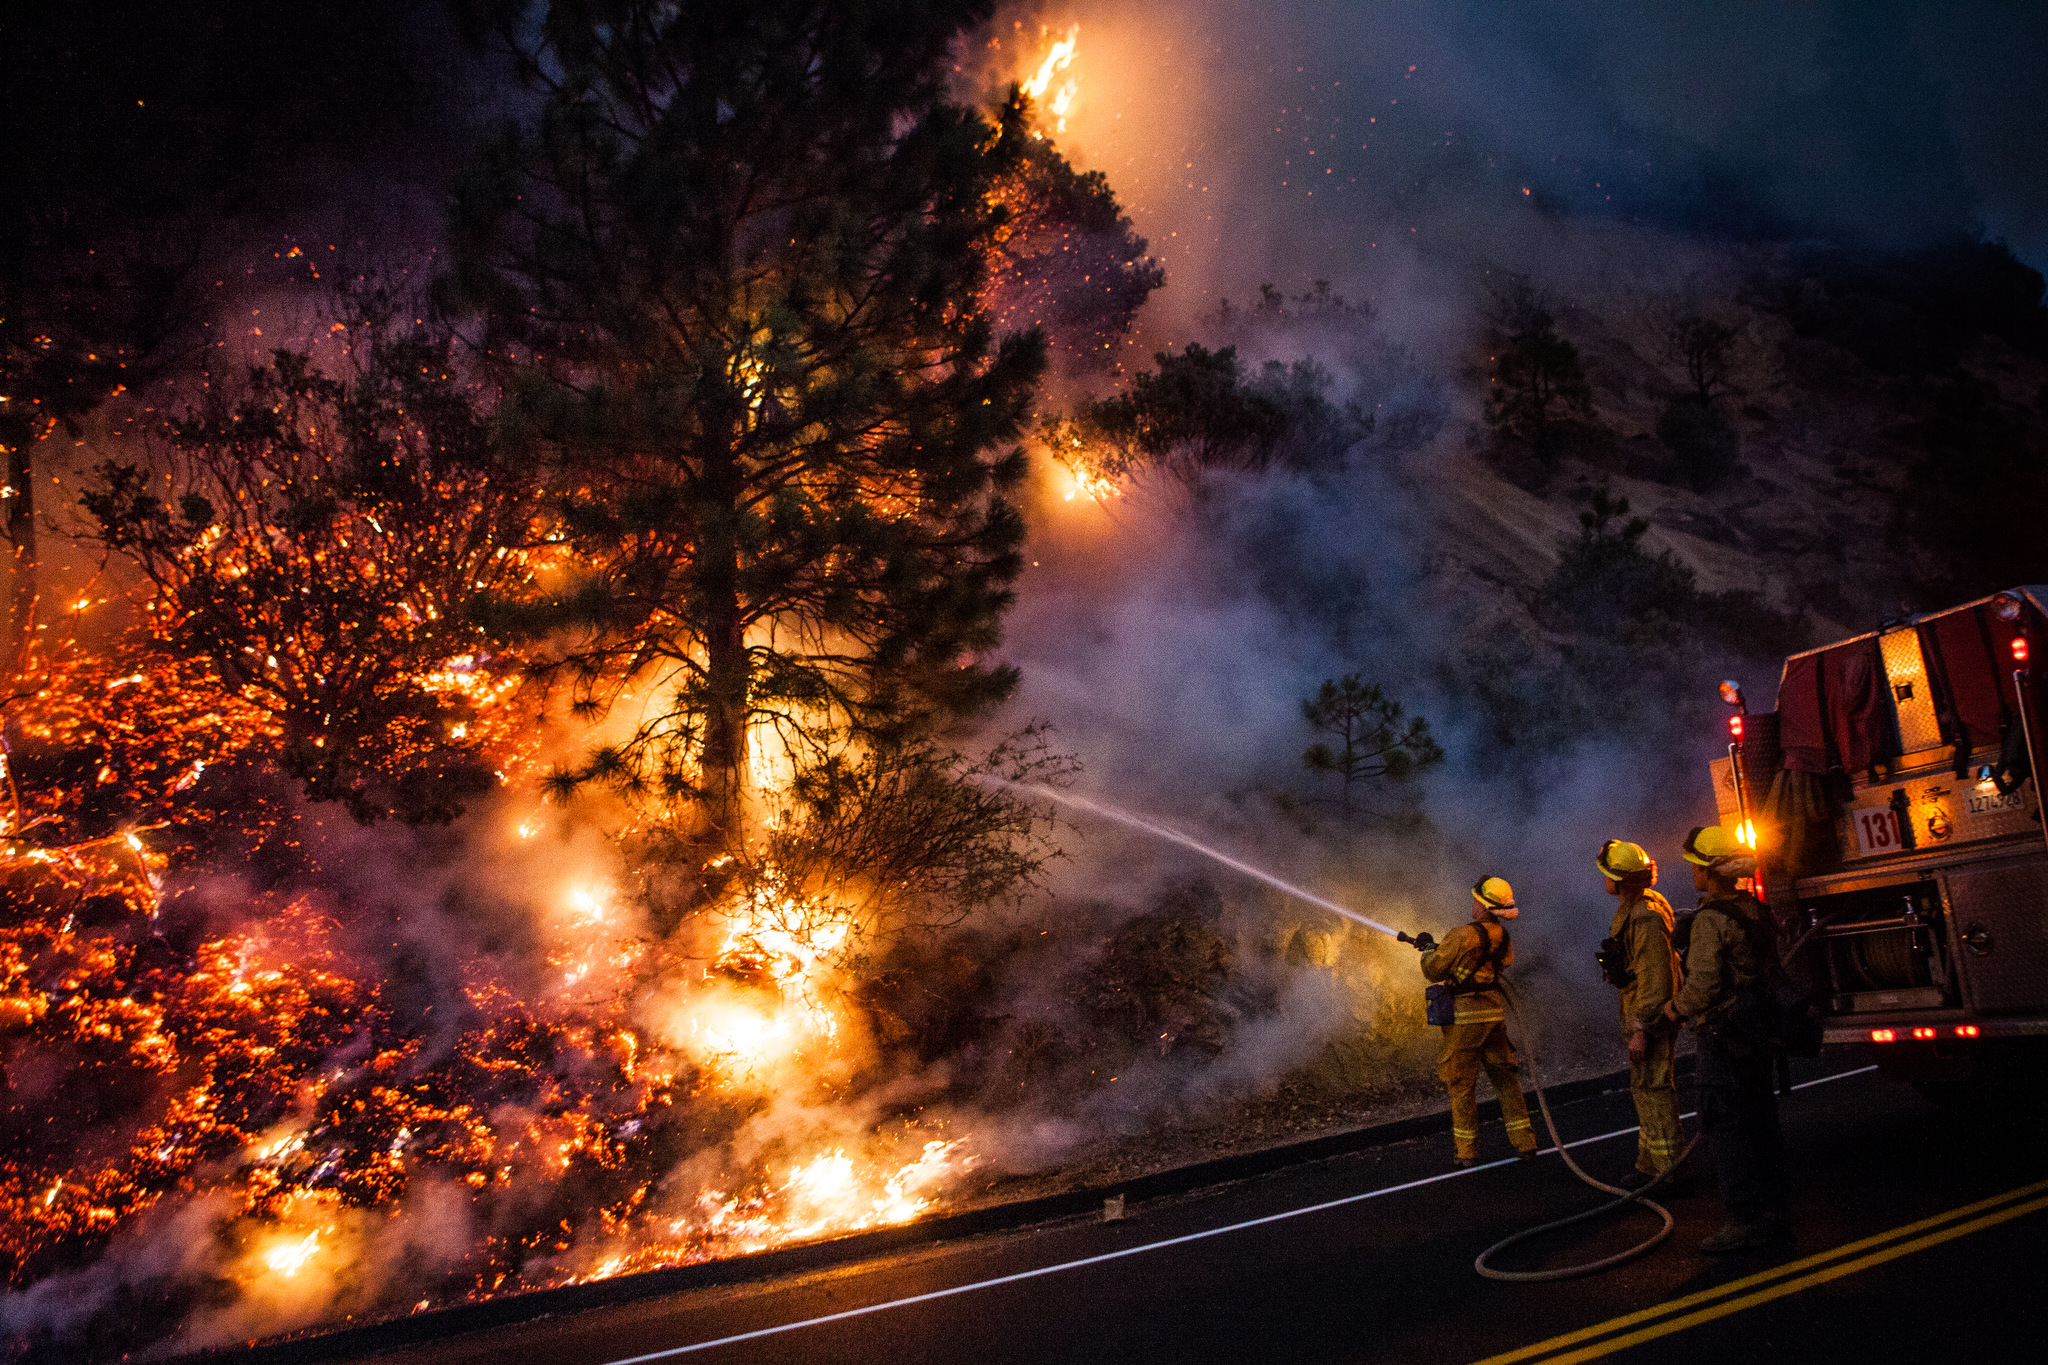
column 1290, row 139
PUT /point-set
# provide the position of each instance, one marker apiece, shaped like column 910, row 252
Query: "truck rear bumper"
column 1945, row 1025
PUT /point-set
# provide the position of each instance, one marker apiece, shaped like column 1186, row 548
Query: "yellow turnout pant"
column 1655, row 1090
column 1466, row 1049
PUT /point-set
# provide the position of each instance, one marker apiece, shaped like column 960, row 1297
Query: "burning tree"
column 734, row 271
column 1198, row 412
column 1067, row 259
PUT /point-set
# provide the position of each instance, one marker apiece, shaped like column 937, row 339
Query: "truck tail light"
column 1967, row 1030
column 2019, row 649
column 1884, row 1035
column 1735, row 722
column 1923, row 1033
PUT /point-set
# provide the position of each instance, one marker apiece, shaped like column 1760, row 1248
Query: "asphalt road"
column 1917, row 1239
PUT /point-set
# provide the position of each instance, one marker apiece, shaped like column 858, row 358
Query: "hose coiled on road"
column 1569, row 1272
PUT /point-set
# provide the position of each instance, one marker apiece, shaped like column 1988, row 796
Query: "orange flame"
column 1057, row 61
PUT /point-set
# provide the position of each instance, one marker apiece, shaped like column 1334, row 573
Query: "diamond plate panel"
column 2009, row 903
column 1726, row 807
column 1912, row 698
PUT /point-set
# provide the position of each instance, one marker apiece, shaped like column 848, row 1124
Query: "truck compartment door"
column 2000, row 914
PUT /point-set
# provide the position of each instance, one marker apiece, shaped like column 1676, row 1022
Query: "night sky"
column 227, row 126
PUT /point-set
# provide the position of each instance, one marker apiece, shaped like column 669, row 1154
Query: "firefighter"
column 1638, row 957
column 1732, row 949
column 1471, row 960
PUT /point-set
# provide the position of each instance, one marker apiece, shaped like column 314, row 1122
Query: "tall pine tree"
column 733, row 267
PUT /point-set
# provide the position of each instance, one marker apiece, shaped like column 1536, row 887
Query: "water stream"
column 1124, row 817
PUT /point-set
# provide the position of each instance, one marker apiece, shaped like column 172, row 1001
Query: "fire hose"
column 1623, row 1197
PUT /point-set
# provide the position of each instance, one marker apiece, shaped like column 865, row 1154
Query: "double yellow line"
column 1633, row 1329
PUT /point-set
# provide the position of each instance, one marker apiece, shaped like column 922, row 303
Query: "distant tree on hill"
column 1704, row 347
column 1693, row 424
column 1536, row 384
column 1367, row 737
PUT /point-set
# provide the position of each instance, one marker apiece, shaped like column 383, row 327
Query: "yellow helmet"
column 1619, row 859
column 1496, row 895
column 1709, row 844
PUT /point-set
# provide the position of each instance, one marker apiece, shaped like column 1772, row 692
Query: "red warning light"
column 1923, row 1033
column 1883, row 1035
column 1967, row 1030
column 2019, row 649
column 1735, row 727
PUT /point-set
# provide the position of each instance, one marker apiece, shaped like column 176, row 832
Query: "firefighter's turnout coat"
column 1461, row 959
column 1738, row 1112
column 1642, row 925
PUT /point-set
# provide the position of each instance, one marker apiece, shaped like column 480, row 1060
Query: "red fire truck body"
column 1901, row 842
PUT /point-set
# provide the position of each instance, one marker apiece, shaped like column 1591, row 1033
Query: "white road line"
column 1133, row 1251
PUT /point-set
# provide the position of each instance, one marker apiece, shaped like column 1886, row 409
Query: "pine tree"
column 1371, row 740
column 732, row 268
column 1536, row 384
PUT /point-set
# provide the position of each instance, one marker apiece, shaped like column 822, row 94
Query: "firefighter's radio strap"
column 1440, row 1001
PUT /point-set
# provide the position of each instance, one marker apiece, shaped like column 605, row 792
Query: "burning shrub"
column 317, row 543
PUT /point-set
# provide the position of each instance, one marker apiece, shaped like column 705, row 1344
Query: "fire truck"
column 1893, row 801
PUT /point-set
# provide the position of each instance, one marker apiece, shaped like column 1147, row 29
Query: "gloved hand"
column 1424, row 943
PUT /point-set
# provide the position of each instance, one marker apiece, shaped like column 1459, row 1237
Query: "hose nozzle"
column 1424, row 942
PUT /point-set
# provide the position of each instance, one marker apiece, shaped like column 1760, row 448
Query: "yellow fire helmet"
column 1709, row 844
column 1496, row 895
column 1619, row 859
